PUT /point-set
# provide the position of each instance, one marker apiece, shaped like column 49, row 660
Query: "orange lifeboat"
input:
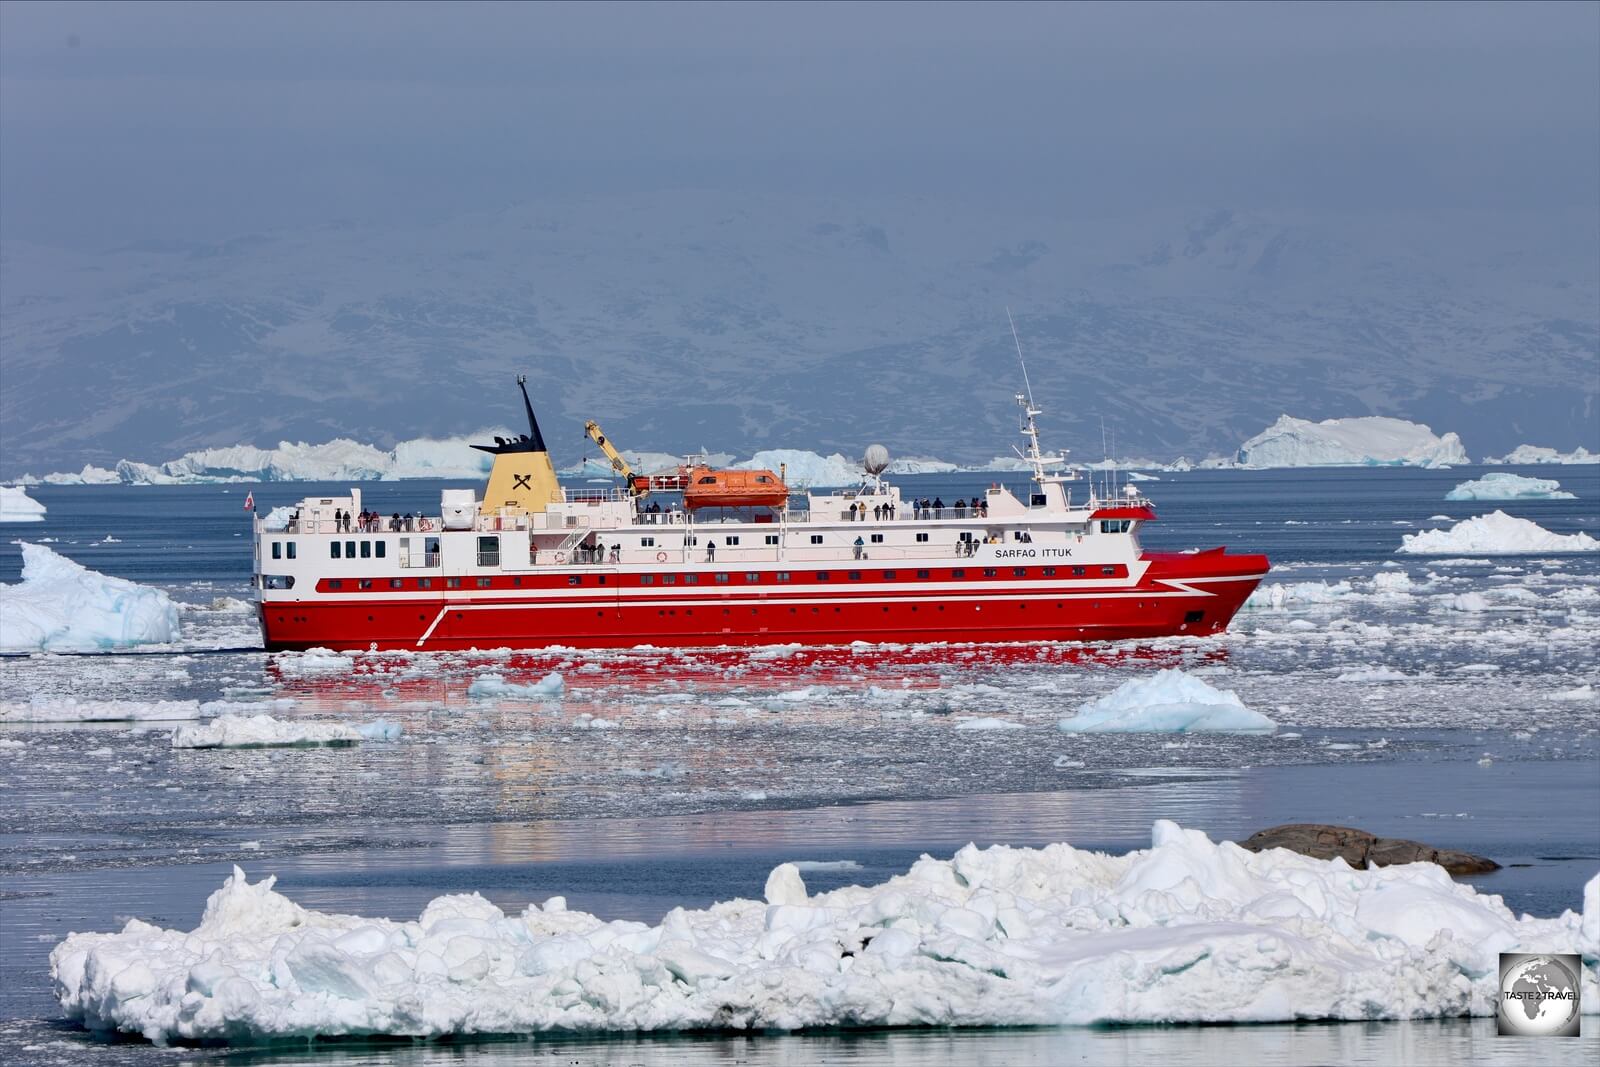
column 707, row 488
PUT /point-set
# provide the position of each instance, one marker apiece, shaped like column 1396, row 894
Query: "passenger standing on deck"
column 711, row 551
column 938, row 507
column 860, row 547
column 338, row 518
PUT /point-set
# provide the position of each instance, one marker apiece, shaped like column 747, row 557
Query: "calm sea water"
column 101, row 822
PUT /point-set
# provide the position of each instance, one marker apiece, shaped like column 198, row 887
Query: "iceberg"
column 1509, row 487
column 1494, row 534
column 1168, row 701
column 17, row 506
column 263, row 731
column 62, row 606
column 1368, row 441
column 804, row 469
column 1533, row 454
column 1186, row 931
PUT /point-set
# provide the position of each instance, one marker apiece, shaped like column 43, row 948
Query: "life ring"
column 424, row 524
column 561, row 557
column 661, row 557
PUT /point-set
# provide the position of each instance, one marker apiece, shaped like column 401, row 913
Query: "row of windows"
column 722, row 578
column 278, row 550
column 369, row 549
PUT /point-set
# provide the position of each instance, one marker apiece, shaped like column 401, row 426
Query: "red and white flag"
column 250, row 501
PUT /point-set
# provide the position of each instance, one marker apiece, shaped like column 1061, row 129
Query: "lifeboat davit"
column 704, row 487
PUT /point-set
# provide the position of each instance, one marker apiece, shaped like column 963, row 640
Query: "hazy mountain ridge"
column 754, row 321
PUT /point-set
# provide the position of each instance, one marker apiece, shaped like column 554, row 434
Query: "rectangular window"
column 485, row 583
column 1019, row 572
column 772, row 539
column 365, row 583
column 452, row 583
column 877, row 539
column 855, row 576
column 752, row 576
column 291, row 550
column 1036, row 500
column 816, row 539
column 349, row 550
column 783, row 576
column 366, row 550
column 988, row 572
column 888, row 576
column 732, row 539
column 380, row 548
column 424, row 583
column 645, row 579
column 922, row 574
column 277, row 550
column 333, row 549
column 691, row 579
column 647, row 542
column 396, row 583
column 822, row 576
column 922, row 538
column 1109, row 572
column 489, row 551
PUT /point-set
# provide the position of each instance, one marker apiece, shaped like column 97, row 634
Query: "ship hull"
column 1185, row 595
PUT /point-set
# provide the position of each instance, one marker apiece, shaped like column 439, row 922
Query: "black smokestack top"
column 532, row 441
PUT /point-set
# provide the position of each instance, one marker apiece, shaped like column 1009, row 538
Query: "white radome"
column 876, row 460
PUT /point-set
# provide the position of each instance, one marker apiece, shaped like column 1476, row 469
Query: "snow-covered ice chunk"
column 381, row 730
column 495, row 687
column 1495, row 534
column 1368, row 441
column 1502, row 486
column 1168, row 701
column 989, row 723
column 68, row 709
column 17, row 506
column 262, row 731
column 1185, row 931
column 1583, row 692
column 315, row 663
column 1280, row 595
column 1531, row 454
column 62, row 606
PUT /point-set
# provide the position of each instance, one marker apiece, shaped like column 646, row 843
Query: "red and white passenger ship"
column 710, row 557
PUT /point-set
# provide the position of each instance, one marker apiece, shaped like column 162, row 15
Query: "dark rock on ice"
column 1359, row 848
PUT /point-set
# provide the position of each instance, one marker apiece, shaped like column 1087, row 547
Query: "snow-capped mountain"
column 762, row 321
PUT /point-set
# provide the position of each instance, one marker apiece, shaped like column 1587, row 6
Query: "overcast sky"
column 123, row 121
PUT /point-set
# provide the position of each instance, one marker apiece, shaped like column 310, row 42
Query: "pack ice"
column 1494, row 534
column 1509, row 487
column 1369, row 441
column 17, row 506
column 1168, row 701
column 62, row 606
column 1185, row 931
column 262, row 731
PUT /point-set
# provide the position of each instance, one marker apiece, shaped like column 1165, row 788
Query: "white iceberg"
column 1186, row 931
column 802, row 469
column 495, row 687
column 989, row 723
column 68, row 709
column 1494, row 534
column 1279, row 595
column 262, row 731
column 1532, row 454
column 1168, row 701
column 1509, row 487
column 61, row 606
column 1368, row 441
column 17, row 506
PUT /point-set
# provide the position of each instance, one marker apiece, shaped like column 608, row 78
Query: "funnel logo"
column 1538, row 995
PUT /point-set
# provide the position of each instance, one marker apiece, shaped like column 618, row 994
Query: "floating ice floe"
column 1501, row 486
column 17, row 506
column 1495, row 534
column 67, row 709
column 989, row 723
column 1280, row 595
column 1368, row 441
column 62, row 606
column 1530, row 454
column 1186, row 931
column 1583, row 692
column 495, row 687
column 1168, row 701
column 315, row 663
column 262, row 731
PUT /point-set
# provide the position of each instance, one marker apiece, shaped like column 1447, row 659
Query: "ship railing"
column 418, row 524
column 594, row 496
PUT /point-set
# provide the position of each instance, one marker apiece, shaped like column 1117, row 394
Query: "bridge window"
column 380, row 549
column 291, row 550
column 489, row 551
column 277, row 550
column 333, row 549
column 731, row 539
column 1115, row 525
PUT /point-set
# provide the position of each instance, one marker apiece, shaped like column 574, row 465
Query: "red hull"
column 1192, row 595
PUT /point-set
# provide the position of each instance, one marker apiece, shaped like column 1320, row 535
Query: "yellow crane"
column 636, row 487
